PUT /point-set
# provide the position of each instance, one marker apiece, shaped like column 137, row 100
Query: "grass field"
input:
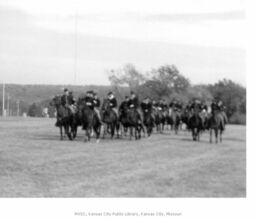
column 35, row 163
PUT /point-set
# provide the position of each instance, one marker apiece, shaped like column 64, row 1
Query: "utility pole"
column 18, row 107
column 3, row 101
column 8, row 105
column 75, row 49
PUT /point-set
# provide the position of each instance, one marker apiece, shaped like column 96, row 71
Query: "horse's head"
column 105, row 105
column 55, row 101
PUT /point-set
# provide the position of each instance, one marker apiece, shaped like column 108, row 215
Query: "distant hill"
column 29, row 94
column 38, row 93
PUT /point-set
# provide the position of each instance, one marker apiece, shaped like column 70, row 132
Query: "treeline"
column 34, row 98
column 168, row 83
column 164, row 82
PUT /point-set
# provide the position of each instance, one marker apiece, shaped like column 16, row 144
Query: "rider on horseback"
column 146, row 106
column 175, row 105
column 163, row 104
column 133, row 103
column 96, row 103
column 89, row 99
column 123, row 106
column 219, row 106
column 68, row 101
column 112, row 102
column 196, row 107
column 154, row 104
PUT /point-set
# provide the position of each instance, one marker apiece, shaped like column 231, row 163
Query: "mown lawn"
column 35, row 163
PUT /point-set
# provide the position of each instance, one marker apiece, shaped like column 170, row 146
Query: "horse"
column 204, row 117
column 195, row 124
column 216, row 123
column 159, row 120
column 148, row 121
column 65, row 119
column 89, row 120
column 174, row 120
column 184, row 117
column 134, row 122
column 109, row 118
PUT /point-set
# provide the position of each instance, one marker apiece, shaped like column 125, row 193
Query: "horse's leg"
column 67, row 132
column 130, row 133
column 90, row 134
column 210, row 135
column 125, row 131
column 143, row 129
column 136, row 131
column 221, row 135
column 117, row 128
column 97, row 132
column 104, row 131
column 112, row 126
column 86, row 134
column 194, row 134
column 216, row 135
column 150, row 130
column 75, row 132
column 139, row 132
column 74, row 129
column 61, row 134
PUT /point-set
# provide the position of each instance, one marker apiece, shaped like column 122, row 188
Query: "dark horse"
column 159, row 120
column 216, row 123
column 185, row 115
column 109, row 118
column 174, row 119
column 134, row 122
column 65, row 119
column 89, row 120
column 148, row 121
column 195, row 124
column 123, row 120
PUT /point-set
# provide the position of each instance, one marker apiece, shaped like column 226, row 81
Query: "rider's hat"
column 110, row 93
column 65, row 89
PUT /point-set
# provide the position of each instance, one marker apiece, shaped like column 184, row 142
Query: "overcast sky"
column 205, row 39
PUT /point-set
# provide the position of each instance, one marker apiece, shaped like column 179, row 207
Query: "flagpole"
column 3, row 101
column 75, row 49
column 8, row 104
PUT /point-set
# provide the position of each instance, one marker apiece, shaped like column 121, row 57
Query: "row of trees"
column 164, row 82
column 167, row 82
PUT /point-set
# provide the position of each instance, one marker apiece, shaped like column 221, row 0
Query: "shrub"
column 238, row 118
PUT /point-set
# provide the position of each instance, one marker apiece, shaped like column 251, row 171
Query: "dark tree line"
column 167, row 82
column 164, row 82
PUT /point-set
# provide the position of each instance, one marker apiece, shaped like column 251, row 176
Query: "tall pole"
column 3, row 101
column 8, row 105
column 18, row 107
column 75, row 49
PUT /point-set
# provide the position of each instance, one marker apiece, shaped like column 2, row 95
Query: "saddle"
column 72, row 108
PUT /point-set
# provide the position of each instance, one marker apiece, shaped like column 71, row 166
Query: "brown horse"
column 174, row 119
column 65, row 119
column 134, row 123
column 89, row 120
column 148, row 121
column 159, row 119
column 110, row 119
column 216, row 124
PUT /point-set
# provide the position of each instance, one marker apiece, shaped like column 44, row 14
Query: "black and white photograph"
column 123, row 99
